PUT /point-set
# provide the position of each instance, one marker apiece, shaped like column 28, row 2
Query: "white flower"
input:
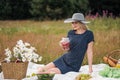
column 20, row 42
column 23, row 52
column 7, row 59
column 27, row 44
column 29, row 58
column 35, row 55
column 40, row 58
column 35, row 60
column 23, row 59
column 28, row 50
column 8, row 52
column 16, row 51
column 27, row 55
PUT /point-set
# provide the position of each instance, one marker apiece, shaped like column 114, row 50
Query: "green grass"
column 45, row 36
column 105, row 24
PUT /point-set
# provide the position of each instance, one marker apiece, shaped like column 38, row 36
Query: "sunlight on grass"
column 45, row 36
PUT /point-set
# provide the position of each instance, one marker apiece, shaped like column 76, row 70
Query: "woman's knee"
column 54, row 70
column 49, row 66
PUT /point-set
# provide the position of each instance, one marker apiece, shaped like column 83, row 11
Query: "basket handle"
column 113, row 52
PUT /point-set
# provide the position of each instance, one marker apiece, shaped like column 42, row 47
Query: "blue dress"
column 72, row 60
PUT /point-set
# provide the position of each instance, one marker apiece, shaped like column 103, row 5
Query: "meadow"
column 45, row 36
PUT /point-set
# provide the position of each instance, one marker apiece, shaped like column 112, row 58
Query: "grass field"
column 45, row 36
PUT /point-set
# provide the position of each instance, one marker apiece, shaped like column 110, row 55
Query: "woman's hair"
column 83, row 26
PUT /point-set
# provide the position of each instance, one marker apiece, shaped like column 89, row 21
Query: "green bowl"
column 45, row 76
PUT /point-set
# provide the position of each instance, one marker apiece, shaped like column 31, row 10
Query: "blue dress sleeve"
column 90, row 37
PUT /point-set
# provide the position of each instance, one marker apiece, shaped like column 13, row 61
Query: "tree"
column 5, row 9
column 14, row 9
column 50, row 9
column 38, row 9
column 111, row 6
column 81, row 6
column 57, row 9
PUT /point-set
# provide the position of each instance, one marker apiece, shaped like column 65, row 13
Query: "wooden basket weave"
column 112, row 58
column 14, row 70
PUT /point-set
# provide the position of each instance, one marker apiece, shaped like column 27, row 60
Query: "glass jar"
column 118, row 64
column 65, row 42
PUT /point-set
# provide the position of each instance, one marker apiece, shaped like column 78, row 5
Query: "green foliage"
column 45, row 76
column 41, row 9
column 50, row 9
column 110, row 72
column 80, row 6
column 5, row 9
column 14, row 9
column 112, row 6
column 9, row 31
column 38, row 9
column 54, row 9
column 57, row 9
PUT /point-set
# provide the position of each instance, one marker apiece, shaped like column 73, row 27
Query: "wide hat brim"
column 69, row 20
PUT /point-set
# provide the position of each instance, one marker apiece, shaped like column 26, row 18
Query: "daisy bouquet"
column 22, row 52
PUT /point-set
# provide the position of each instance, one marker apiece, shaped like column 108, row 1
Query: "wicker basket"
column 112, row 58
column 14, row 70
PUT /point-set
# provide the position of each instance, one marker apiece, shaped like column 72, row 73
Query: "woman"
column 81, row 42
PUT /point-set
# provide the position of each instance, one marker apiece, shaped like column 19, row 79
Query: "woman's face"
column 76, row 25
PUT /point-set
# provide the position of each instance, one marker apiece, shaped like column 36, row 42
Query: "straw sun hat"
column 77, row 17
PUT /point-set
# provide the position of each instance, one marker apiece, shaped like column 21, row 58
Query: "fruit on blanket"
column 33, row 74
column 118, row 64
column 83, row 77
column 110, row 72
column 45, row 76
column 109, row 61
column 114, row 60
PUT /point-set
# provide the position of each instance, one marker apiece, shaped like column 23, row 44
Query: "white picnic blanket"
column 32, row 68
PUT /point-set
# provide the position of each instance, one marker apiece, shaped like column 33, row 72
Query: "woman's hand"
column 64, row 45
column 90, row 70
column 90, row 56
column 40, row 69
